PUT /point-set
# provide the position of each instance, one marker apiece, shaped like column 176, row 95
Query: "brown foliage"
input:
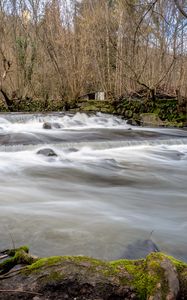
column 60, row 49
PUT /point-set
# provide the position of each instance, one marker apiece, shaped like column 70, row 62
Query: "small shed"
column 99, row 96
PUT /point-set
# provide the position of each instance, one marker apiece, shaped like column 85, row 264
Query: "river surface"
column 110, row 185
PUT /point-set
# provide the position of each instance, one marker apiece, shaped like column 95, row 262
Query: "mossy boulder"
column 95, row 106
column 151, row 119
column 162, row 112
column 156, row 277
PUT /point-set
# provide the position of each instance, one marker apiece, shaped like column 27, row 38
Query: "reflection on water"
column 107, row 187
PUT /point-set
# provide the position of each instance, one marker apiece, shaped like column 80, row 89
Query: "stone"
column 73, row 150
column 132, row 122
column 49, row 125
column 169, row 281
column 151, row 119
column 172, row 279
column 156, row 277
column 47, row 152
column 140, row 249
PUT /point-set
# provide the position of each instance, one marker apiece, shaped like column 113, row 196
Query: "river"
column 109, row 185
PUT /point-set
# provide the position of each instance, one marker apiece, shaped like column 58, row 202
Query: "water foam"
column 77, row 121
column 103, row 190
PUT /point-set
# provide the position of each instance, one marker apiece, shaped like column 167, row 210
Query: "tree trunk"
column 8, row 101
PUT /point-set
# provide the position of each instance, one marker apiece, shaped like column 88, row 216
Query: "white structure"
column 26, row 16
column 100, row 96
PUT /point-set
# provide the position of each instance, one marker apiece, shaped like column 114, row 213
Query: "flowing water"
column 109, row 185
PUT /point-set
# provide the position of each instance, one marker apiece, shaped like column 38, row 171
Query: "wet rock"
column 140, row 249
column 171, row 275
column 132, row 122
column 79, row 278
column 49, row 125
column 167, row 286
column 47, row 152
column 72, row 150
column 151, row 119
column 157, row 277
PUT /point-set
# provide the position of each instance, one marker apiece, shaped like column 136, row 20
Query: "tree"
column 180, row 8
column 61, row 49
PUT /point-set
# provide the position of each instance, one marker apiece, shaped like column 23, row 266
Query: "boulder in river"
column 73, row 150
column 49, row 125
column 47, row 152
column 140, row 249
column 132, row 122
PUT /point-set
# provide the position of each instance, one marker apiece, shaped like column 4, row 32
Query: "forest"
column 58, row 50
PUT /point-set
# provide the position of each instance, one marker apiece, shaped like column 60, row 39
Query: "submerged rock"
column 140, row 249
column 49, row 125
column 73, row 150
column 47, row 152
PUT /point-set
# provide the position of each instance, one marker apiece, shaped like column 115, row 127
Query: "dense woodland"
column 62, row 49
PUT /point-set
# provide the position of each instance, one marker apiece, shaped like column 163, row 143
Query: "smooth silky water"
column 110, row 185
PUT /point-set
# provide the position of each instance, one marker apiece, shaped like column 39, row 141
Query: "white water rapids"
column 110, row 185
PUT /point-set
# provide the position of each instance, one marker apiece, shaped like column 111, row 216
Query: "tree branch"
column 182, row 11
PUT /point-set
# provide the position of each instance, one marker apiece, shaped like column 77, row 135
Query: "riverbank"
column 156, row 277
column 162, row 112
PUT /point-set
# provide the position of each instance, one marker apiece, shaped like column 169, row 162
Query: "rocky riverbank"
column 164, row 112
column 156, row 277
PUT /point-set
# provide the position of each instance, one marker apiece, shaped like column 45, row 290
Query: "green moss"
column 165, row 109
column 146, row 276
column 45, row 262
column 180, row 266
column 7, row 265
column 158, row 273
column 54, row 276
column 143, row 282
column 18, row 256
column 12, row 252
column 173, row 124
column 143, row 275
column 96, row 106
column 50, row 261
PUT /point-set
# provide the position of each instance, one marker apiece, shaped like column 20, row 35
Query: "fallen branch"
column 12, row 273
column 182, row 11
column 18, row 291
column 3, row 256
column 17, row 257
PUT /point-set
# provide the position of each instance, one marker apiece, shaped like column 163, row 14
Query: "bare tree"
column 180, row 8
column 61, row 49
